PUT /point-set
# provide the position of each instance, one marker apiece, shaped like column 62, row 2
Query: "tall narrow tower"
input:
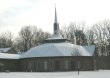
column 56, row 37
column 56, row 24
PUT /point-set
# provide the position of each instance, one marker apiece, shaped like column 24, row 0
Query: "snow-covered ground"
column 83, row 74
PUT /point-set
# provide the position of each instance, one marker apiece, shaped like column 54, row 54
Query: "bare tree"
column 98, row 35
column 6, row 39
column 75, row 32
column 29, row 36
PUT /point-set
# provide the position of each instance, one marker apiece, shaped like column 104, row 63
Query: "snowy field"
column 83, row 74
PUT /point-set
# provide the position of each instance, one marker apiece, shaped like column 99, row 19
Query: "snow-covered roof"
column 55, row 36
column 9, row 56
column 89, row 49
column 20, row 53
column 59, row 49
column 4, row 49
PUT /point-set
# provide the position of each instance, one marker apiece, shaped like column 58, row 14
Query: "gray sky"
column 14, row 14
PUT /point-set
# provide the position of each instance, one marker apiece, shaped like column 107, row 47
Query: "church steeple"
column 56, row 37
column 56, row 24
column 55, row 15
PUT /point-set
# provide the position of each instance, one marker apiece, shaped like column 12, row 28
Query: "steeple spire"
column 56, row 37
column 56, row 24
column 55, row 14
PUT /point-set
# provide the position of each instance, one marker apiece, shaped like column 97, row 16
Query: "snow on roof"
column 5, row 49
column 21, row 53
column 55, row 36
column 59, row 49
column 89, row 49
column 9, row 56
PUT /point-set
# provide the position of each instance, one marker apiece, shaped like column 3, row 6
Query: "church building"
column 55, row 54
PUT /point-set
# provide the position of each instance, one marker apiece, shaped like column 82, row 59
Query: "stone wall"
column 85, row 63
column 58, row 63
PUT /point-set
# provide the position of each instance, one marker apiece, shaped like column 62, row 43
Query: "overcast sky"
column 14, row 14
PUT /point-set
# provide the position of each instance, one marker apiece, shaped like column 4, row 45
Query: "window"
column 66, row 64
column 51, row 63
column 30, row 66
column 45, row 65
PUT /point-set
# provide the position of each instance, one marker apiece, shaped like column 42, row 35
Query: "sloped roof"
column 55, row 36
column 90, row 48
column 5, row 49
column 9, row 56
column 59, row 49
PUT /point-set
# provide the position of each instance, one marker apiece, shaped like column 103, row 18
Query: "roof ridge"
column 57, row 49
